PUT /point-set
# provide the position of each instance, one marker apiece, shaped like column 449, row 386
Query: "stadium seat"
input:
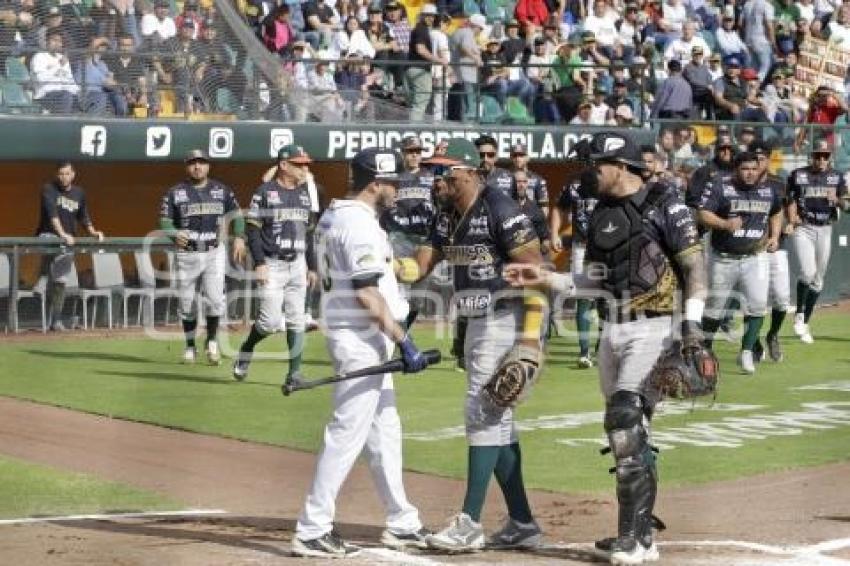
column 147, row 291
column 108, row 279
column 516, row 112
column 17, row 100
column 471, row 7
column 16, row 70
column 491, row 112
column 224, row 101
column 36, row 292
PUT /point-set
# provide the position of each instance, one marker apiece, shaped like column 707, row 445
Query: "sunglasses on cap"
column 486, row 154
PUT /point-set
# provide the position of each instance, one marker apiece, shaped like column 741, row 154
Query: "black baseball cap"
column 821, row 147
column 759, row 147
column 613, row 146
column 196, row 155
column 294, row 153
column 375, row 164
column 519, row 149
column 411, row 142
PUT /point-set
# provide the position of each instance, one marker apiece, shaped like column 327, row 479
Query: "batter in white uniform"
column 361, row 305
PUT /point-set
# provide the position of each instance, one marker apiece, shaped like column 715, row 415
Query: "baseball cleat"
column 774, row 349
column 57, row 326
column 401, row 541
column 627, row 551
column 800, row 326
column 516, row 535
column 462, row 535
column 213, row 353
column 745, row 362
column 290, row 380
column 329, row 545
column 310, row 323
column 585, row 362
column 758, row 351
column 806, row 337
column 240, row 366
column 189, row 355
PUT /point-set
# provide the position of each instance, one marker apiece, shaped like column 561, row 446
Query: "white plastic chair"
column 108, row 279
column 36, row 292
column 147, row 291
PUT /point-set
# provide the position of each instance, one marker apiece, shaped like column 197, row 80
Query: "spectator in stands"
column 318, row 23
column 746, row 136
column 101, row 94
column 440, row 75
column 191, row 12
column 806, row 10
column 354, row 80
column 729, row 42
column 602, row 22
column 753, row 108
column 630, row 30
column 106, row 22
column 158, row 27
column 666, row 145
column 699, row 77
column 130, row 24
column 53, row 81
column 547, row 80
column 583, row 116
column 730, row 92
column 550, row 35
column 620, row 95
column 466, row 56
column 175, row 65
column 325, row 101
column 380, row 36
column 52, row 22
column 513, row 45
column 420, row 58
column 839, row 27
column 787, row 15
column 757, row 21
column 600, row 113
column 591, row 56
column 396, row 20
column 675, row 97
column 532, row 16
column 682, row 48
column 673, row 18
column 682, row 143
column 714, row 67
column 216, row 72
column 128, row 71
column 623, row 116
column 825, row 106
column 18, row 33
column 351, row 39
column 277, row 31
column 777, row 99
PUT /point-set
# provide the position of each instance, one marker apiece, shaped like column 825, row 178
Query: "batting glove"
column 413, row 359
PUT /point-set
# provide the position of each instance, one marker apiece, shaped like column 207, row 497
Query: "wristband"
column 694, row 309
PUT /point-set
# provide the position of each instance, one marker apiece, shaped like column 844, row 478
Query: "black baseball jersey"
column 754, row 205
column 199, row 211
column 501, row 179
column 478, row 245
column 537, row 218
column 638, row 240
column 414, row 208
column 277, row 221
column 705, row 176
column 580, row 208
column 538, row 191
column 68, row 205
column 810, row 189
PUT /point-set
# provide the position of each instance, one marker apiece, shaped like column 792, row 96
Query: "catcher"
column 642, row 246
column 478, row 230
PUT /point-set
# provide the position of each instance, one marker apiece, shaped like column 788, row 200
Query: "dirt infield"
column 261, row 489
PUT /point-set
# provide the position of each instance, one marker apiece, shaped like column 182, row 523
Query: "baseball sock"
column 811, row 299
column 189, row 330
column 777, row 316
column 709, row 327
column 802, row 294
column 752, row 327
column 295, row 343
column 57, row 302
column 583, row 326
column 509, row 475
column 212, row 328
column 482, row 463
column 252, row 340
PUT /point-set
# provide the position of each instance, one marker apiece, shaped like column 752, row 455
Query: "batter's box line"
column 114, row 516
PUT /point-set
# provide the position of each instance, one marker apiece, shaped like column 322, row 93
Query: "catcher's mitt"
column 514, row 377
column 685, row 374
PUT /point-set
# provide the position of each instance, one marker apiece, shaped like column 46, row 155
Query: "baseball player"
column 532, row 210
column 779, row 285
column 575, row 204
column 720, row 165
column 745, row 219
column 63, row 206
column 642, row 246
column 194, row 213
column 478, row 230
column 815, row 193
column 493, row 176
column 538, row 192
column 277, row 225
column 362, row 304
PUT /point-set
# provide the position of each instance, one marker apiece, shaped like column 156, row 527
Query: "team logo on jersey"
column 180, row 196
column 385, row 163
column 802, row 177
column 305, row 200
column 217, row 194
column 273, row 197
column 510, row 222
column 610, row 229
column 677, row 207
column 522, row 235
column 832, row 179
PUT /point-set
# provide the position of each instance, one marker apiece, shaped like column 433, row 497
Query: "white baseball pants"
column 286, row 287
column 813, row 245
column 364, row 418
column 208, row 268
column 779, row 292
column 750, row 274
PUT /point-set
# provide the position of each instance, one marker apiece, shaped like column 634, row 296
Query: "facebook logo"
column 93, row 141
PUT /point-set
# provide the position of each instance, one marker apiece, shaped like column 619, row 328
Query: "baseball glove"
column 685, row 373
column 514, row 377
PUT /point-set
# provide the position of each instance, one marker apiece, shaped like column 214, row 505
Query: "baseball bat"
column 392, row 366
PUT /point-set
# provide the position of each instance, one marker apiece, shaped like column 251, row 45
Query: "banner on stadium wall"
column 820, row 63
column 88, row 139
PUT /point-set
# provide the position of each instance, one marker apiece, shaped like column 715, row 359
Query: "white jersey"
column 352, row 245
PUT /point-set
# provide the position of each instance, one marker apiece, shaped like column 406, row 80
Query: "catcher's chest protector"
column 619, row 238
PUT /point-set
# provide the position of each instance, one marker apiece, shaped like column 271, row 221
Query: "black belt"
column 728, row 255
column 816, row 223
column 633, row 315
column 201, row 246
column 284, row 256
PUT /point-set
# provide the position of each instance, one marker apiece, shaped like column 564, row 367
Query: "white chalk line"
column 110, row 516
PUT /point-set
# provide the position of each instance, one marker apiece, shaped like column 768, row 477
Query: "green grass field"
column 29, row 490
column 747, row 432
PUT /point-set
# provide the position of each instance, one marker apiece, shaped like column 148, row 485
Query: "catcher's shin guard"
column 637, row 480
